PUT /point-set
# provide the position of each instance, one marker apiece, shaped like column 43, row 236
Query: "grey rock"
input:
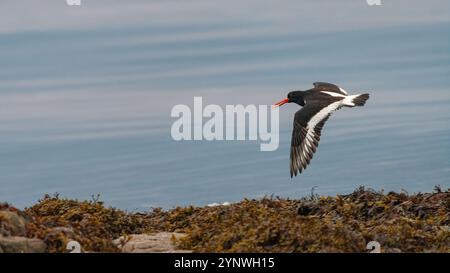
column 68, row 231
column 14, row 244
column 392, row 250
column 149, row 243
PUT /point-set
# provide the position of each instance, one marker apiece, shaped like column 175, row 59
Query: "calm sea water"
column 86, row 112
column 386, row 145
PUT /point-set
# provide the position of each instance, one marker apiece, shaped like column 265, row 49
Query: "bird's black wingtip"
column 295, row 172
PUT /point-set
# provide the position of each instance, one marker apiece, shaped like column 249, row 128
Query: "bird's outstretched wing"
column 329, row 87
column 308, row 124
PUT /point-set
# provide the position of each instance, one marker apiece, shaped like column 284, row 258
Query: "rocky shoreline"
column 400, row 222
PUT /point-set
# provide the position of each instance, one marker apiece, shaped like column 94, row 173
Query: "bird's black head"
column 293, row 96
column 296, row 97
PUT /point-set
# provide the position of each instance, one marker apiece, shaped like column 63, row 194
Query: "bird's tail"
column 360, row 100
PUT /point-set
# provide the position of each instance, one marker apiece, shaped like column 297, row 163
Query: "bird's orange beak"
column 278, row 104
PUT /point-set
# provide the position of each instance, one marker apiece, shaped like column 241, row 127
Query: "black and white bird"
column 318, row 105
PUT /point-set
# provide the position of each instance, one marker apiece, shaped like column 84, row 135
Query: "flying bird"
column 318, row 104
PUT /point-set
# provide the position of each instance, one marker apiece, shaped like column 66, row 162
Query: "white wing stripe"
column 334, row 94
column 343, row 91
column 316, row 119
column 322, row 114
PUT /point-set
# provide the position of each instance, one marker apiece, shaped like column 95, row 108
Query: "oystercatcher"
column 318, row 105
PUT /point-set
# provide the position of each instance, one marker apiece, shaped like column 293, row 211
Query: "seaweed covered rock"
column 308, row 208
column 399, row 222
column 94, row 226
column 12, row 224
column 345, row 223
